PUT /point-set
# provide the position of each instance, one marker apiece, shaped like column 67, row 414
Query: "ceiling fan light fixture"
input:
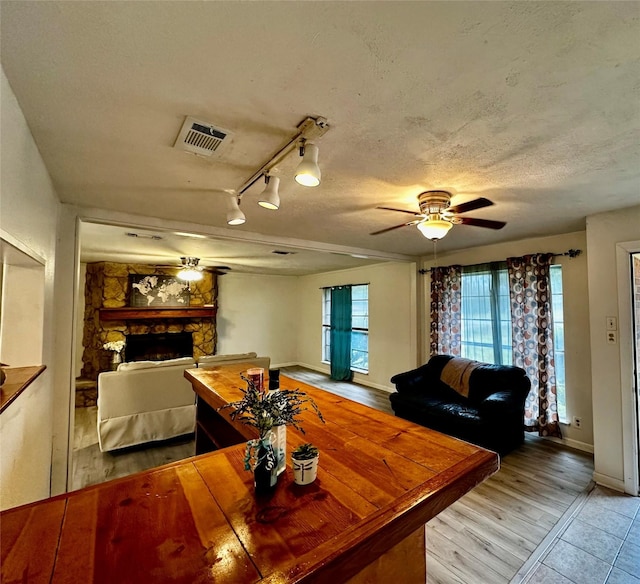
column 190, row 275
column 308, row 172
column 434, row 228
column 235, row 216
column 190, row 271
column 270, row 199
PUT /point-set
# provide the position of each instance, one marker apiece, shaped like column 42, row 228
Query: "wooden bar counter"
column 380, row 480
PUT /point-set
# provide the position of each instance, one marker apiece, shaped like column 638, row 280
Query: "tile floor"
column 600, row 544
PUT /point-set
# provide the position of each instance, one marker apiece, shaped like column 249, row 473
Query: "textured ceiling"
column 534, row 105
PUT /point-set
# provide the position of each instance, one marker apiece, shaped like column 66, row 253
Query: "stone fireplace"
column 107, row 287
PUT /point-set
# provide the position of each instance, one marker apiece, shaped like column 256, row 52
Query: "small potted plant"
column 304, row 460
column 265, row 410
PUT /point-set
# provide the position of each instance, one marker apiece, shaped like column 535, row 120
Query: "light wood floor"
column 489, row 536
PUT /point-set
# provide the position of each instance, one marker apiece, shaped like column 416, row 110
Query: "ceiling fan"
column 437, row 216
column 191, row 270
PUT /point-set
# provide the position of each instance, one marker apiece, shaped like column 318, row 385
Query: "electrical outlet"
column 612, row 338
column 577, row 422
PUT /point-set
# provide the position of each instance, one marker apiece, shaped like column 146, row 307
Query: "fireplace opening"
column 158, row 347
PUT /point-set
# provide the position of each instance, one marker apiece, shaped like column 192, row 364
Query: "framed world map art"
column 153, row 290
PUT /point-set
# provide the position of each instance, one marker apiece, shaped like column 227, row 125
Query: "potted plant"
column 263, row 411
column 304, row 460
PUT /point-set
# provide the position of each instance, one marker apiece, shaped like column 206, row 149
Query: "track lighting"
column 308, row 171
column 235, row 216
column 270, row 199
column 434, row 228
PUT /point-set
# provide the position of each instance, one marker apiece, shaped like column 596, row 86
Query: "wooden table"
column 380, row 480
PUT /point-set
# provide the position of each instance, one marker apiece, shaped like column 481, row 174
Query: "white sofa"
column 144, row 401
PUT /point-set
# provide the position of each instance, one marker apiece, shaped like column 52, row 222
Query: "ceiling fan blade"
column 399, row 210
column 488, row 223
column 392, row 228
column 470, row 205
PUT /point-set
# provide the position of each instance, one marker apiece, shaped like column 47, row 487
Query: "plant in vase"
column 263, row 411
column 117, row 347
column 304, row 460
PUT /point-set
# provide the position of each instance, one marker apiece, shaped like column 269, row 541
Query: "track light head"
column 270, row 199
column 235, row 216
column 308, row 172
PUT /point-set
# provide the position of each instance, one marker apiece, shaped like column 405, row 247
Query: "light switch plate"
column 612, row 323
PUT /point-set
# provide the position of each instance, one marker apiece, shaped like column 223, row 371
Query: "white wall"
column 258, row 313
column 576, row 315
column 392, row 319
column 22, row 315
column 28, row 213
column 610, row 398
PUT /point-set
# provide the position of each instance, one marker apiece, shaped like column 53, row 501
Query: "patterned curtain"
column 533, row 339
column 445, row 310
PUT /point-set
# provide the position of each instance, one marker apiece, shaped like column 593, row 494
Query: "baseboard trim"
column 357, row 380
column 571, row 443
column 607, row 481
column 313, row 367
column 278, row 365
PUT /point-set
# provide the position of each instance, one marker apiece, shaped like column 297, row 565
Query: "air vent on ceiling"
column 201, row 138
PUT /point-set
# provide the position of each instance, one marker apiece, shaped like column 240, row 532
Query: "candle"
column 256, row 376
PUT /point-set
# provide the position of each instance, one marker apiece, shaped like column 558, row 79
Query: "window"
column 557, row 311
column 359, row 327
column 486, row 320
column 486, row 314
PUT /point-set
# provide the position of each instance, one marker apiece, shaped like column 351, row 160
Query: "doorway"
column 635, row 310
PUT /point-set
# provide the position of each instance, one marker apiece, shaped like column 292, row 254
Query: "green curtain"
column 341, row 333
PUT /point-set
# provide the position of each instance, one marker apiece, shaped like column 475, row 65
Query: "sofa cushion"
column 133, row 365
column 419, row 403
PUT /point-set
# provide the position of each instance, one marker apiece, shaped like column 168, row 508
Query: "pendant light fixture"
column 270, row 199
column 235, row 216
column 308, row 172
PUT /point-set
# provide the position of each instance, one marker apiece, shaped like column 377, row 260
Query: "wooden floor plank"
column 512, row 541
column 464, row 565
column 439, row 573
column 477, row 545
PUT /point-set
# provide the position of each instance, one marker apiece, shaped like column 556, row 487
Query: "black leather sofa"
column 492, row 416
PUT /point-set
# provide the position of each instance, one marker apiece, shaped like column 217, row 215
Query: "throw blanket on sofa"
column 456, row 374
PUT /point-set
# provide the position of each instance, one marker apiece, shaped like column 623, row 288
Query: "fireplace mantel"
column 137, row 313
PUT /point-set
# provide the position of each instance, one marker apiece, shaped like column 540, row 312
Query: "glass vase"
column 116, row 359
